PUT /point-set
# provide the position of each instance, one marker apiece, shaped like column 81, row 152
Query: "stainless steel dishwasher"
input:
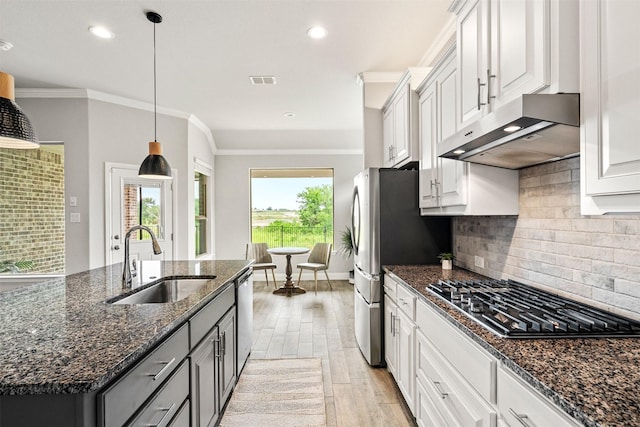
column 244, row 316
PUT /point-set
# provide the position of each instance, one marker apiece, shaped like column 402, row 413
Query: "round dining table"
column 289, row 288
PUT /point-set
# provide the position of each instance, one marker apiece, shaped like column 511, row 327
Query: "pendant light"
column 15, row 127
column 155, row 165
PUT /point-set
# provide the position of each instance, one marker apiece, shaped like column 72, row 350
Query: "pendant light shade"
column 15, row 127
column 155, row 165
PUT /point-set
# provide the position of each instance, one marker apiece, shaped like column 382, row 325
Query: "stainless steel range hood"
column 530, row 130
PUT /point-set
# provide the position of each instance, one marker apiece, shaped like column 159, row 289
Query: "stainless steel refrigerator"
column 387, row 229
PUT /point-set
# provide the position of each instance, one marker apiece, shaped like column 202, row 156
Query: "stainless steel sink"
column 167, row 290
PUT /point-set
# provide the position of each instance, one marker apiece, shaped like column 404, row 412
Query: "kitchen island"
column 61, row 340
column 593, row 380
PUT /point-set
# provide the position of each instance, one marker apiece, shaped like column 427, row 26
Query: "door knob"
column 116, row 237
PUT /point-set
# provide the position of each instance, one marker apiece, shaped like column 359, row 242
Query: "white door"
column 130, row 201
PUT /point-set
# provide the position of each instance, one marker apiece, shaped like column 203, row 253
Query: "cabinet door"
column 405, row 370
column 428, row 159
column 401, row 126
column 427, row 414
column 205, row 402
column 610, row 155
column 452, row 177
column 390, row 351
column 387, row 137
column 227, row 328
column 519, row 49
column 472, row 36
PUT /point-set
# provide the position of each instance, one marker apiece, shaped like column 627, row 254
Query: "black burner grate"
column 514, row 310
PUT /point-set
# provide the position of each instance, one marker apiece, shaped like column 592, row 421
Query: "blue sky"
column 280, row 193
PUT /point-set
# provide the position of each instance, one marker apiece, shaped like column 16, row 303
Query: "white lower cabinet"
column 454, row 382
column 521, row 405
column 455, row 401
column 400, row 338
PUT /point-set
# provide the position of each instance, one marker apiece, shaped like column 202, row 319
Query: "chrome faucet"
column 127, row 274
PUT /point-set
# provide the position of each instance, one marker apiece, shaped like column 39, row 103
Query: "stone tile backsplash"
column 595, row 259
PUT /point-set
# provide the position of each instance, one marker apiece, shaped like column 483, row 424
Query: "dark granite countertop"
column 59, row 336
column 595, row 380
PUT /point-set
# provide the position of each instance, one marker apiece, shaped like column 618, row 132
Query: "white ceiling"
column 206, row 50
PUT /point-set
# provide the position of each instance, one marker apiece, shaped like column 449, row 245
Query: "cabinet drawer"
column 457, row 402
column 427, row 413
column 474, row 363
column 390, row 286
column 519, row 404
column 166, row 403
column 406, row 301
column 120, row 400
column 208, row 316
column 182, row 418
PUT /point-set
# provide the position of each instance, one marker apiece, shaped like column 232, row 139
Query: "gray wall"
column 68, row 120
column 233, row 203
column 549, row 244
column 95, row 132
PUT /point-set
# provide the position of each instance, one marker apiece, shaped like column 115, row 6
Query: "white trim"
column 194, row 120
column 443, row 40
column 380, row 76
column 98, row 96
column 316, row 152
column 202, row 167
column 108, row 167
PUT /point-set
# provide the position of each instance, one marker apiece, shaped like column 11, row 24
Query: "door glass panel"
column 142, row 205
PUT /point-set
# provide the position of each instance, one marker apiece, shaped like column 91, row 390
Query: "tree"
column 316, row 206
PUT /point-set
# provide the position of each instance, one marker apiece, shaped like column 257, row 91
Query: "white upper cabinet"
column 610, row 101
column 400, row 121
column 507, row 48
column 452, row 187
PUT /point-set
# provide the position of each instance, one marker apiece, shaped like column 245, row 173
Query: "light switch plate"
column 74, row 217
column 73, row 201
column 478, row 261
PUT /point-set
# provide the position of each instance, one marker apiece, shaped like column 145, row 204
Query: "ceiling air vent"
column 263, row 80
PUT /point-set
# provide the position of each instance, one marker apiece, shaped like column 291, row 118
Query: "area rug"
column 279, row 393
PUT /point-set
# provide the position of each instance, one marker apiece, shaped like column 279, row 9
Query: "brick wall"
column 32, row 217
column 549, row 244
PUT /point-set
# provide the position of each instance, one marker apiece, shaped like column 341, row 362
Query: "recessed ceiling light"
column 512, row 128
column 317, row 32
column 289, row 114
column 458, row 151
column 5, row 45
column 102, row 32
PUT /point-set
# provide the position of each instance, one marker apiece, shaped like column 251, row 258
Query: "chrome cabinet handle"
column 167, row 412
column 223, row 343
column 216, row 347
column 489, row 77
column 479, row 86
column 392, row 328
column 439, row 389
column 160, row 373
column 522, row 418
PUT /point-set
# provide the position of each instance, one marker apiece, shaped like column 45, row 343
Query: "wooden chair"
column 318, row 260
column 263, row 261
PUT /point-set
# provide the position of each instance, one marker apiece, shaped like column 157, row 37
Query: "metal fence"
column 281, row 236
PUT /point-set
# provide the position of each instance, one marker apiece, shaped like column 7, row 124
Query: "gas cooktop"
column 513, row 310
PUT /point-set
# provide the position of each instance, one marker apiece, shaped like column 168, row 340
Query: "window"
column 200, row 203
column 142, row 206
column 292, row 207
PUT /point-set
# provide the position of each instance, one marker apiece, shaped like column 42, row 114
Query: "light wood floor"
column 321, row 326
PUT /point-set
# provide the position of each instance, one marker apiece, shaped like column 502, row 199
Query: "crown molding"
column 329, row 152
column 380, row 77
column 67, row 93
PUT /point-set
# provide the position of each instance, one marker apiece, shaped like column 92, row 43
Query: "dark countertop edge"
column 566, row 406
column 127, row 362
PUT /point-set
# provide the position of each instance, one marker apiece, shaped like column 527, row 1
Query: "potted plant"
column 346, row 248
column 446, row 259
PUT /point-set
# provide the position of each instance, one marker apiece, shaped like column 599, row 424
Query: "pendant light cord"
column 155, row 108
